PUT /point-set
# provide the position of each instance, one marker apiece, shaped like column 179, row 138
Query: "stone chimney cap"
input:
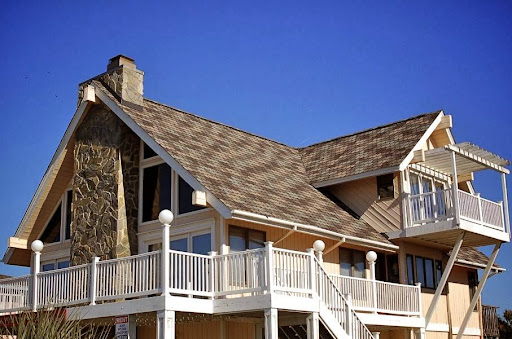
column 120, row 60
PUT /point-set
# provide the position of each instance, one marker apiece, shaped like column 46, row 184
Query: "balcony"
column 217, row 282
column 441, row 215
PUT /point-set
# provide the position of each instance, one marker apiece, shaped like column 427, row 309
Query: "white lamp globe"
column 166, row 217
column 319, row 245
column 371, row 256
column 37, row 246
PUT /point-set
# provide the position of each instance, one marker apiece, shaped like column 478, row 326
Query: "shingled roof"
column 244, row 171
column 473, row 255
column 373, row 149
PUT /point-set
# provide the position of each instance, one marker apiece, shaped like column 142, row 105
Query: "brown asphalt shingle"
column 244, row 171
column 472, row 254
column 365, row 151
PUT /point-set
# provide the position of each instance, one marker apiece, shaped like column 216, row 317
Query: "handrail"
column 338, row 305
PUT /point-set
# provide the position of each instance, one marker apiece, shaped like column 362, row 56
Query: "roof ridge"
column 220, row 123
column 370, row 129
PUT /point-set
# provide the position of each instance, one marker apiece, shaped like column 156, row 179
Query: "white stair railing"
column 342, row 310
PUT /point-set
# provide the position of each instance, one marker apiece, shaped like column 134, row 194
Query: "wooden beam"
column 446, row 122
column 14, row 242
column 466, row 177
column 418, row 156
column 444, row 278
column 479, row 289
column 477, row 159
column 333, row 247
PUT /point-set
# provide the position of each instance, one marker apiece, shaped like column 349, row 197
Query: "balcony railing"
column 379, row 296
column 440, row 205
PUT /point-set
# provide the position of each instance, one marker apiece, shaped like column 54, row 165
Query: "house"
column 369, row 235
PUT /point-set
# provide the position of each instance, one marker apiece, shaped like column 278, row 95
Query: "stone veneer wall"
column 105, row 188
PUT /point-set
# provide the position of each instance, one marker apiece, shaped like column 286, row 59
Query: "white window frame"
column 63, row 203
column 155, row 161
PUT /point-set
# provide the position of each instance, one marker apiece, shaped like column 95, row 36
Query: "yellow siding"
column 361, row 196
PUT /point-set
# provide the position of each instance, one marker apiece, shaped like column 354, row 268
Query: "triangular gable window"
column 52, row 230
column 56, row 226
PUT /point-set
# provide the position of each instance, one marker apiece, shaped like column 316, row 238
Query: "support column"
column 479, row 289
column 505, row 203
column 313, row 326
column 455, row 189
column 419, row 334
column 271, row 325
column 132, row 334
column 444, row 277
column 166, row 324
column 376, row 335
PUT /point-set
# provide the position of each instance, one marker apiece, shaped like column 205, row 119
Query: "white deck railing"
column 238, row 274
column 440, row 205
column 379, row 296
column 14, row 293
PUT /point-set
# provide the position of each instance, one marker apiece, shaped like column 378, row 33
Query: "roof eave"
column 254, row 217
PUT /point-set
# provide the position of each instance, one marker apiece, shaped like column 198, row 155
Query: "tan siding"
column 439, row 138
column 361, row 196
column 459, row 298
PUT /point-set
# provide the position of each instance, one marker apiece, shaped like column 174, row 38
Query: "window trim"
column 63, row 204
column 415, row 270
column 246, row 235
column 352, row 265
column 156, row 161
column 393, row 193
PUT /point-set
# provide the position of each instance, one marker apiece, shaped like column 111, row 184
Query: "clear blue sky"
column 295, row 71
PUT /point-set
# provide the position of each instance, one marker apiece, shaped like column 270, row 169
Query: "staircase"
column 300, row 332
column 335, row 311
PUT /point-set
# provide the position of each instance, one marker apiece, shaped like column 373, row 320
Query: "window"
column 473, row 283
column 241, row 239
column 352, row 263
column 60, row 222
column 185, row 198
column 385, row 188
column 431, row 205
column 156, row 191
column 148, row 152
column 199, row 243
column 393, row 268
column 54, row 264
column 426, row 271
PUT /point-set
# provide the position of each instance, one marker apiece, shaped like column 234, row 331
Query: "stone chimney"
column 125, row 80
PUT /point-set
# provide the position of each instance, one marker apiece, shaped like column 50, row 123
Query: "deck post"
column 269, row 253
column 93, row 279
column 271, row 323
column 420, row 304
column 444, row 277
column 313, row 326
column 312, row 273
column 166, row 324
column 420, row 333
column 455, row 188
column 212, row 276
column 480, row 212
column 376, row 335
column 505, row 203
column 479, row 289
column 37, row 247
column 348, row 314
column 166, row 217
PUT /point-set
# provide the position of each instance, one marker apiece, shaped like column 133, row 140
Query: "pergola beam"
column 473, row 157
